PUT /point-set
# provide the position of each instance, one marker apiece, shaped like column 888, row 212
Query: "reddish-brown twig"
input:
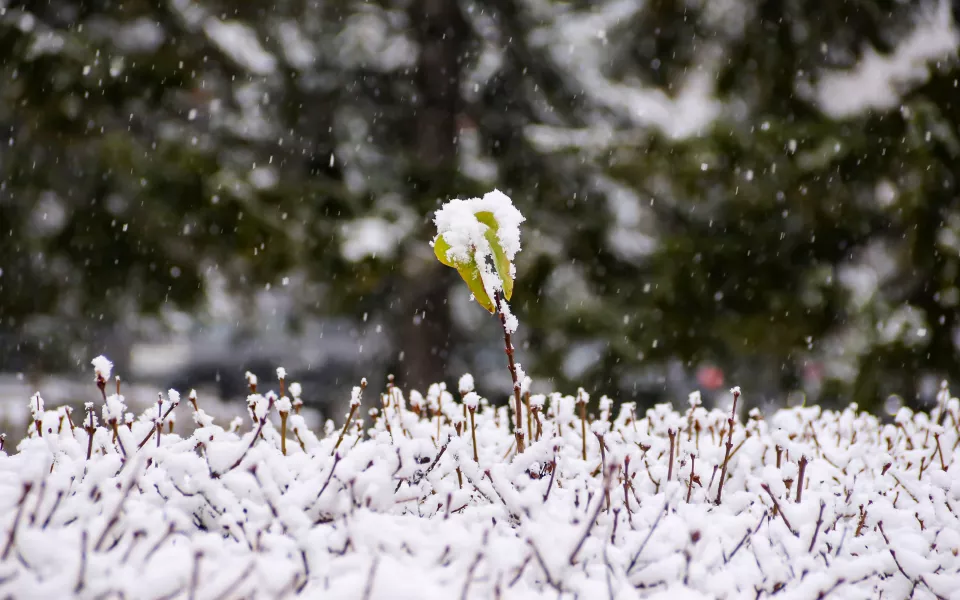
column 508, row 348
column 12, row 536
column 726, row 458
column 776, row 505
column 800, row 479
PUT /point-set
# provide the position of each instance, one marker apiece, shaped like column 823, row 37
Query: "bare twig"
column 236, row 464
column 553, row 474
column 896, row 561
column 346, row 425
column 336, row 461
column 643, row 545
column 12, row 536
column 56, row 504
column 727, row 559
column 861, row 522
column 543, row 566
column 673, row 437
column 693, row 476
column 166, row 535
column 508, row 348
column 813, row 541
column 729, row 445
column 776, row 505
column 83, row 562
column 229, row 591
column 800, row 478
column 116, row 514
column 90, row 430
column 470, row 571
column 607, row 477
column 195, row 575
column 153, row 430
column 473, row 433
column 626, row 488
column 368, row 588
column 582, row 403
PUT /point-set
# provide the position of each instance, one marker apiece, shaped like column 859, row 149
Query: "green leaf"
column 471, row 275
column 470, row 271
column 500, row 260
column 440, row 248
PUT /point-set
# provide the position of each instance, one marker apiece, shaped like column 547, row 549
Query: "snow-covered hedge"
column 400, row 502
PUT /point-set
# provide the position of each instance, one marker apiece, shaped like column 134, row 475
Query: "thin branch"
column 368, row 588
column 607, row 477
column 508, row 348
column 553, row 474
column 470, row 571
column 195, row 575
column 776, row 505
column 253, row 442
column 729, row 445
column 543, row 565
column 83, row 562
column 800, row 478
column 12, row 536
column 115, row 517
column 643, row 545
column 336, row 461
column 813, row 541
column 743, row 540
column 153, row 430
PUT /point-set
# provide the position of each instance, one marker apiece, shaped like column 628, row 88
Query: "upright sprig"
column 729, row 445
column 480, row 237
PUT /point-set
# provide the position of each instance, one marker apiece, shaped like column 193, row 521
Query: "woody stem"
column 508, row 348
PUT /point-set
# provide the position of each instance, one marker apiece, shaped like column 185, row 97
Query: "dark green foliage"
column 136, row 134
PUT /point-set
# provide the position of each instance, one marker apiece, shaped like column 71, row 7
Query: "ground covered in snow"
column 399, row 501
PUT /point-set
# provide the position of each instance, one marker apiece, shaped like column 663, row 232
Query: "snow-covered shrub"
column 402, row 504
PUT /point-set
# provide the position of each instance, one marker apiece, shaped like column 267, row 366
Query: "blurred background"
column 752, row 192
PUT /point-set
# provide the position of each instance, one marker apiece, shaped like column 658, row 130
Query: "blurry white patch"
column 264, row 178
column 374, row 237
column 296, row 48
column 240, row 42
column 581, row 358
column 878, row 82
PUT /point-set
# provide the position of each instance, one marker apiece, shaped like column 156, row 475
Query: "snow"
column 355, row 396
column 296, row 47
column 471, row 400
column 465, row 240
column 240, row 43
column 879, row 82
column 113, row 409
column 375, row 39
column 102, row 367
column 140, row 36
column 457, row 222
column 401, row 510
column 466, row 384
column 373, row 237
column 296, row 390
column 577, row 42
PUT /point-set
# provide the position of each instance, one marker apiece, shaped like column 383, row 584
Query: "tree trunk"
column 425, row 332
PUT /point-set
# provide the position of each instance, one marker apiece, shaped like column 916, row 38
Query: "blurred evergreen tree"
column 805, row 239
column 706, row 184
